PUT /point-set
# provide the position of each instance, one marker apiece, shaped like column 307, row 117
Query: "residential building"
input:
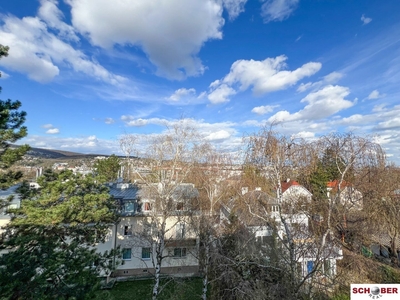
column 264, row 216
column 139, row 231
column 347, row 194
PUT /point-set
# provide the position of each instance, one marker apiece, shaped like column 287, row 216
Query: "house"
column 264, row 217
column 346, row 194
column 294, row 198
column 138, row 231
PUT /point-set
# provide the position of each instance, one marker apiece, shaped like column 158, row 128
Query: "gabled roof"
column 335, row 184
column 287, row 184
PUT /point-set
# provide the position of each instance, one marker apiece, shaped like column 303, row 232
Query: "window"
column 262, row 240
column 310, row 266
column 180, row 230
column 146, row 206
column 129, row 207
column 179, row 206
column 128, row 230
column 146, row 252
column 179, row 252
column 126, row 253
column 327, row 267
column 275, row 208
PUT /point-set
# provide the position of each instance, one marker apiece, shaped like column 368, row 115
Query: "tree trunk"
column 393, row 244
column 205, row 278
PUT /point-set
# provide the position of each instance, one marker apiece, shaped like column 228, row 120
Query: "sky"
column 89, row 71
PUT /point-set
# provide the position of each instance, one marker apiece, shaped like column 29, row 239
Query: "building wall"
column 133, row 234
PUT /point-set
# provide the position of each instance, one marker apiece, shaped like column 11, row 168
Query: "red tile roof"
column 335, row 184
column 287, row 184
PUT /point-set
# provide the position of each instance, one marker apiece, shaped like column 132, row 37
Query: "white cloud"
column 178, row 94
column 393, row 123
column 47, row 126
column 50, row 13
column 304, row 135
column 85, row 144
column 134, row 122
column 278, row 10
column 375, row 95
column 268, row 75
column 365, row 20
column 53, row 131
column 262, row 110
column 221, row 94
column 109, row 121
column 40, row 54
column 264, row 76
column 3, row 75
column 234, row 7
column 320, row 104
column 170, row 32
column 218, row 136
column 331, row 78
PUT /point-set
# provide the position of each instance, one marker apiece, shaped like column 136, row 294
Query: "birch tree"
column 170, row 157
column 279, row 157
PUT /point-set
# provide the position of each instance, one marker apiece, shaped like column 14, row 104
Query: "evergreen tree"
column 51, row 240
column 11, row 130
column 327, row 169
column 107, row 169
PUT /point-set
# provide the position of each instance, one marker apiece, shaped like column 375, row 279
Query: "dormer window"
column 129, row 207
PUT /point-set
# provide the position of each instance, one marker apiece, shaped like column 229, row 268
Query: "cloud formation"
column 375, row 95
column 365, row 20
column 39, row 53
column 262, row 110
column 50, row 129
column 109, row 121
column 182, row 93
column 264, row 76
column 331, row 78
column 170, row 32
column 278, row 10
column 320, row 104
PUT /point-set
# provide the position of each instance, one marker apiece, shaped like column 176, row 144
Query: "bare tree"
column 168, row 200
column 128, row 144
column 383, row 210
column 279, row 157
column 211, row 177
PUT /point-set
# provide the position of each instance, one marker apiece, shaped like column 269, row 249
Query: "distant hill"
column 57, row 154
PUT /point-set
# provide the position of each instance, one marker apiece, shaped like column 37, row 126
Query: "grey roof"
column 129, row 193
column 135, row 192
column 8, row 192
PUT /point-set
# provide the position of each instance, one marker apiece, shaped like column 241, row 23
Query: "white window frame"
column 144, row 251
column 130, row 251
column 180, row 252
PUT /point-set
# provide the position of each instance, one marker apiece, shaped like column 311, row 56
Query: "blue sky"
column 88, row 71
